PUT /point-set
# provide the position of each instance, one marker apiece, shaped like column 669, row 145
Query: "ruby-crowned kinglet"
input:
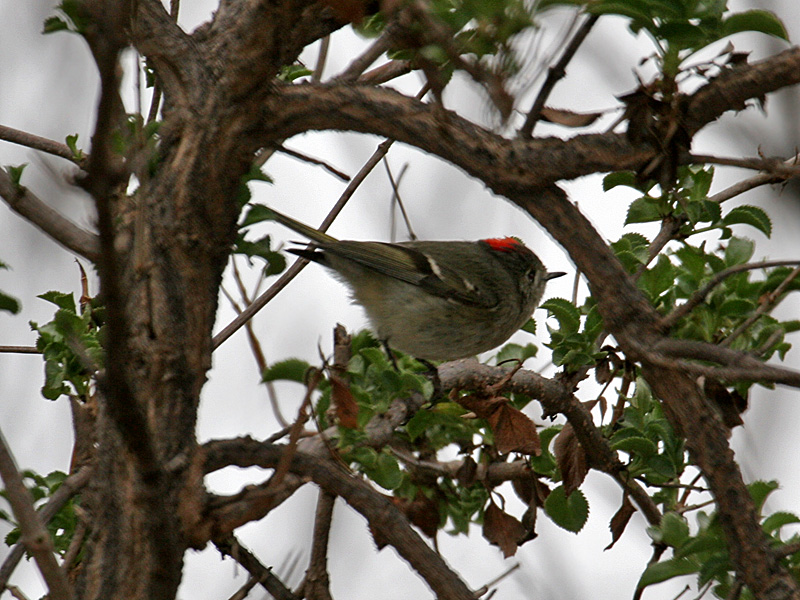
column 435, row 300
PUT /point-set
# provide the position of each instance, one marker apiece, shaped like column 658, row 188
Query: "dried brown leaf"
column 502, row 530
column 345, row 405
column 514, row 431
column 571, row 459
column 421, row 511
column 569, row 118
column 620, row 520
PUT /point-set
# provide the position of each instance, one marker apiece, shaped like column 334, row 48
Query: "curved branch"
column 50, row 221
column 382, row 515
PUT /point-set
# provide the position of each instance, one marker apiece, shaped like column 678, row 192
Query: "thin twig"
column 324, row 44
column 554, row 74
column 700, row 295
column 34, row 534
column 386, row 72
column 20, row 349
column 773, row 166
column 314, row 161
column 764, row 306
column 396, row 196
column 369, row 56
column 300, row 263
column 230, row 546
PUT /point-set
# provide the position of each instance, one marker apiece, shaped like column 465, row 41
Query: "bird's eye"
column 531, row 274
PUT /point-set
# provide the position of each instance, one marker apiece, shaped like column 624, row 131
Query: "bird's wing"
column 414, row 267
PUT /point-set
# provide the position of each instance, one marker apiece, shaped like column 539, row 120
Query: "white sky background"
column 49, row 88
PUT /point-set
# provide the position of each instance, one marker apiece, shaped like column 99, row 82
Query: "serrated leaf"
column 760, row 490
column 568, row 512
column 60, row 299
column 642, row 210
column 749, row 215
column 291, row 369
column 762, row 21
column 777, row 520
column 530, row 327
column 565, row 312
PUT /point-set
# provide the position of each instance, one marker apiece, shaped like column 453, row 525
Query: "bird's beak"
column 550, row 276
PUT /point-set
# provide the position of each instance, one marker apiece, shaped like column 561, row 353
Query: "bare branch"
column 36, row 142
column 35, row 536
column 314, row 161
column 54, row 224
column 316, row 584
column 738, row 366
column 369, row 56
column 753, row 182
column 382, row 514
column 230, row 546
column 554, row 74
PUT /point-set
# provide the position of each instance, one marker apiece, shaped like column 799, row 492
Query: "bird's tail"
column 313, row 234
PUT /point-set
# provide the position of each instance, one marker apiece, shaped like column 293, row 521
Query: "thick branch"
column 382, row 515
column 50, row 221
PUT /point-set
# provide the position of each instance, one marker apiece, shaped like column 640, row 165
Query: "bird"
column 434, row 300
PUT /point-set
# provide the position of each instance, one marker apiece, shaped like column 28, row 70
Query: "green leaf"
column 9, row 304
column 626, row 178
column 15, row 173
column 60, row 299
column 659, row 278
column 291, row 369
column 516, row 352
column 289, row 73
column 674, row 529
column 777, row 520
column 738, row 251
column 530, row 327
column 759, row 490
column 257, row 213
column 565, row 312
column 72, row 144
column 662, row 571
column 386, row 472
column 762, row 21
column 569, row 512
column 750, row 215
column 643, row 210
column 53, row 24
column 636, row 445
